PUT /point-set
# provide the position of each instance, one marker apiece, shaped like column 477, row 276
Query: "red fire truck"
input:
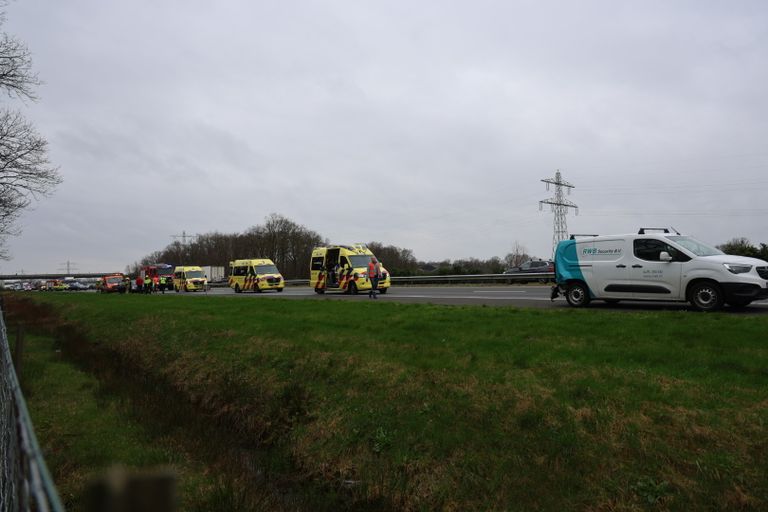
column 159, row 270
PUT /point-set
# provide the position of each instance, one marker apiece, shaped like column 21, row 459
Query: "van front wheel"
column 577, row 294
column 706, row 296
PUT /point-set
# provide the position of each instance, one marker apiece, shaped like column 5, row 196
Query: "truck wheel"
column 319, row 291
column 577, row 294
column 706, row 296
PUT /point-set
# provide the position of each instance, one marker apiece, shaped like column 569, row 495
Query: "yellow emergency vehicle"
column 343, row 268
column 256, row 275
column 189, row 279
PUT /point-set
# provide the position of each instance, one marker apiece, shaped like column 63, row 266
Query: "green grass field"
column 418, row 407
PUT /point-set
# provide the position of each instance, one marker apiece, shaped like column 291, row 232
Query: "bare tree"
column 518, row 256
column 25, row 171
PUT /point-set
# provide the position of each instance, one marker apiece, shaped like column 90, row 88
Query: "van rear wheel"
column 237, row 288
column 706, row 296
column 352, row 289
column 577, row 294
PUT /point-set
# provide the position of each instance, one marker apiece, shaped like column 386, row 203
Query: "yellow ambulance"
column 343, row 268
column 256, row 275
column 189, row 279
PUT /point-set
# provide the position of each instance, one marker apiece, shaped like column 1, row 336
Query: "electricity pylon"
column 559, row 206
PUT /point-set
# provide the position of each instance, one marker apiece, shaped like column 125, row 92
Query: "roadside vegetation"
column 386, row 406
column 88, row 431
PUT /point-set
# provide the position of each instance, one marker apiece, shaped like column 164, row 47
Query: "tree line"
column 743, row 247
column 290, row 245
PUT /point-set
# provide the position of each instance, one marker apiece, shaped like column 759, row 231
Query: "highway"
column 504, row 295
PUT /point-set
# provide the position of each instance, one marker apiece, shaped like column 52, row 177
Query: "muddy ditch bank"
column 238, row 442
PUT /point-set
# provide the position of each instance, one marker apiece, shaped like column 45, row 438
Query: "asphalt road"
column 504, row 295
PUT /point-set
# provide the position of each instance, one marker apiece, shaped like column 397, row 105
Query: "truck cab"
column 112, row 283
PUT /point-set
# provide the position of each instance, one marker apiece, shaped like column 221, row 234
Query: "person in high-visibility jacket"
column 374, row 274
column 163, row 281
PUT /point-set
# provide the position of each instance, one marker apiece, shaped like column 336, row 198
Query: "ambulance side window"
column 239, row 271
column 344, row 262
column 251, row 271
column 317, row 263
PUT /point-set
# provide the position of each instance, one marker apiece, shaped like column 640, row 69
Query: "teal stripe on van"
column 567, row 265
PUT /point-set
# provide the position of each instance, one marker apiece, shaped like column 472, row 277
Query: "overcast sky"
column 426, row 125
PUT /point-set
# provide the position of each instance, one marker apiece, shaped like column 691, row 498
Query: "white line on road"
column 399, row 295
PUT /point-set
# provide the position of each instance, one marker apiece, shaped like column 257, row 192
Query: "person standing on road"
column 163, row 282
column 139, row 284
column 374, row 274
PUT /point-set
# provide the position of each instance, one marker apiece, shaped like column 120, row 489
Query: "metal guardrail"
column 25, row 483
column 464, row 278
column 520, row 276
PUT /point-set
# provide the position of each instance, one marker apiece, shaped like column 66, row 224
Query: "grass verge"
column 85, row 431
column 414, row 407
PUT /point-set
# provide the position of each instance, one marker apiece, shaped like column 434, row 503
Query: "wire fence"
column 25, row 483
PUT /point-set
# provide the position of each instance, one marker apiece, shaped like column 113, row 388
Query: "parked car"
column 76, row 286
column 533, row 267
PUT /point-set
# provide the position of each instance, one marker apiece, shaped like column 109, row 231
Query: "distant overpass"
column 43, row 277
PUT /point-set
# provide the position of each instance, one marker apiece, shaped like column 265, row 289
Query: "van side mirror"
column 664, row 256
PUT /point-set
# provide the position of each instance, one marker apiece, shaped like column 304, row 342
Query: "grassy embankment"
column 86, row 432
column 457, row 407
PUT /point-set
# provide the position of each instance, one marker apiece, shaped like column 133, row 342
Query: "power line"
column 184, row 237
column 559, row 206
column 69, row 266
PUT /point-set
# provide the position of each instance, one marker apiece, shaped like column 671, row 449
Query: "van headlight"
column 737, row 268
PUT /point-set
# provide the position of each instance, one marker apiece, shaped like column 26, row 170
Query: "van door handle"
column 621, row 266
column 637, row 266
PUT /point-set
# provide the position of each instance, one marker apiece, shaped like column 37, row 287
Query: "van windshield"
column 194, row 274
column 696, row 247
column 266, row 269
column 359, row 260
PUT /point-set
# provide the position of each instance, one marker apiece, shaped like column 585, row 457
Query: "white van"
column 657, row 264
